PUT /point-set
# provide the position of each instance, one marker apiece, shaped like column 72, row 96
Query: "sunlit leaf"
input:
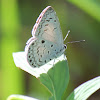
column 56, row 80
column 21, row 62
column 85, row 90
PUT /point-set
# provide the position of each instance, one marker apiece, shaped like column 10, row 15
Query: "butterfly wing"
column 40, row 52
column 46, row 42
column 48, row 27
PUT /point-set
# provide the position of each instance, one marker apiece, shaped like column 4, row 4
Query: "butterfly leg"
column 54, row 62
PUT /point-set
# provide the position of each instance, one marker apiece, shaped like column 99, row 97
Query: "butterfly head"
column 65, row 46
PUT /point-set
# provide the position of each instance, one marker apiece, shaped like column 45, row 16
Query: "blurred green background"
column 17, row 17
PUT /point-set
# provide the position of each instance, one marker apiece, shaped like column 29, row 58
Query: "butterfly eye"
column 65, row 46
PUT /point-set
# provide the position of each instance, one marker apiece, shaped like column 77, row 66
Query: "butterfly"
column 46, row 42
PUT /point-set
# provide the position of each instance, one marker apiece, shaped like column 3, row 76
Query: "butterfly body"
column 46, row 42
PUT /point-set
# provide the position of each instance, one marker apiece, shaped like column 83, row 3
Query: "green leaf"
column 21, row 62
column 56, row 80
column 92, row 7
column 85, row 90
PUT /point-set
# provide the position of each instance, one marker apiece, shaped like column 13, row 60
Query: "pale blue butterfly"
column 46, row 42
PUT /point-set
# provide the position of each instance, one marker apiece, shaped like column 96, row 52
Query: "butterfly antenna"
column 66, row 35
column 76, row 41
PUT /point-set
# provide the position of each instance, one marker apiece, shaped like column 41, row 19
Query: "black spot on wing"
column 45, row 61
column 50, row 18
column 47, row 20
column 52, row 45
column 42, row 41
column 54, row 20
column 45, row 29
column 46, row 24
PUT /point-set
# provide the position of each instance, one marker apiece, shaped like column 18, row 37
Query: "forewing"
column 48, row 27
